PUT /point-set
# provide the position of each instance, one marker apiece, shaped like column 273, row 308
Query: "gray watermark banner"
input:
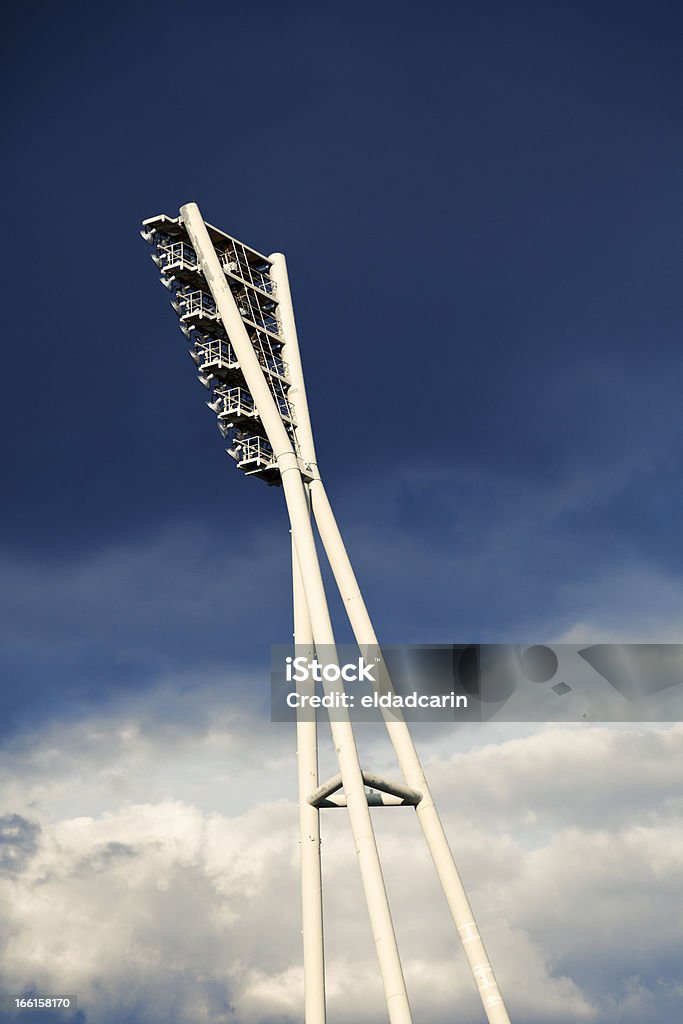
column 479, row 682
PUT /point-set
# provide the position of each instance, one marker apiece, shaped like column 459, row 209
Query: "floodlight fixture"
column 235, row 309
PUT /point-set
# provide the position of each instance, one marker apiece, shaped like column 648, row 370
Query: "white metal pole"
column 292, row 356
column 364, row 633
column 413, row 772
column 309, row 820
column 323, row 636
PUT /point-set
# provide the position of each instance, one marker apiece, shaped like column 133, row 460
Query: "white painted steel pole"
column 304, row 542
column 364, row 633
column 292, row 356
column 309, row 819
column 413, row 772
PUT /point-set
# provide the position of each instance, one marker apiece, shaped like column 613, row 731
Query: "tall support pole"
column 364, row 633
column 323, row 636
column 413, row 772
column 292, row 356
column 309, row 819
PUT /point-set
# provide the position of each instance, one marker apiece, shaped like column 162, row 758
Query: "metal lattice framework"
column 235, row 309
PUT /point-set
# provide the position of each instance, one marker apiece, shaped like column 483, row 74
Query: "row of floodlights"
column 237, row 416
column 180, row 254
column 181, row 274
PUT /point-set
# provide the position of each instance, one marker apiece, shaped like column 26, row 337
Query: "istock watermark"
column 302, row 673
column 303, row 668
column 480, row 682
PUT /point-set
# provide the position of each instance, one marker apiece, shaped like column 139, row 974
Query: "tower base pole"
column 411, row 767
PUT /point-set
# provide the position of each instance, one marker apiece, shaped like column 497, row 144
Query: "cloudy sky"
column 480, row 205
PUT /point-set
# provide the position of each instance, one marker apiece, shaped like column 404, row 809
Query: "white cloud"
column 181, row 903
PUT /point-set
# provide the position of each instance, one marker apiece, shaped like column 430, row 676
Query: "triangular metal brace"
column 389, row 794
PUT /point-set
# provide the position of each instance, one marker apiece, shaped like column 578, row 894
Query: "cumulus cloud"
column 18, row 843
column 164, row 886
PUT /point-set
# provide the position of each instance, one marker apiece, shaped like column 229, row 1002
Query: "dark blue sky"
column 480, row 205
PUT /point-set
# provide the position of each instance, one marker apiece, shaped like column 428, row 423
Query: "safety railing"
column 267, row 352
column 261, row 312
column 176, row 256
column 256, row 449
column 195, row 303
column 219, row 353
column 285, row 409
column 215, row 353
column 236, row 402
column 278, row 390
column 235, row 261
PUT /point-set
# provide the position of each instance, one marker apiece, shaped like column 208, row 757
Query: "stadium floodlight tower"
column 235, row 309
